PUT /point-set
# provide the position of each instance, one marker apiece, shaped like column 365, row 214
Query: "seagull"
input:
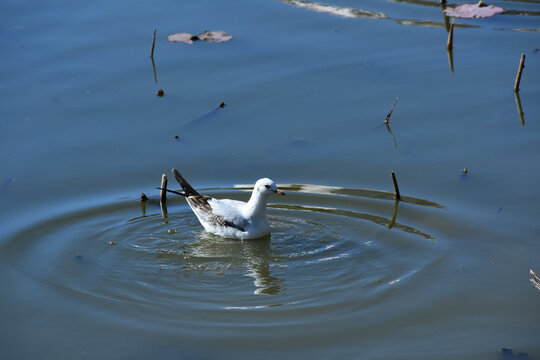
column 231, row 218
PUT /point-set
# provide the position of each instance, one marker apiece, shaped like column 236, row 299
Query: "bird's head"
column 266, row 187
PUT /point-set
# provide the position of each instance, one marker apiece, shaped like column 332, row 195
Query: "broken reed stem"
column 153, row 44
column 520, row 70
column 390, row 113
column 396, row 188
column 163, row 192
column 450, row 42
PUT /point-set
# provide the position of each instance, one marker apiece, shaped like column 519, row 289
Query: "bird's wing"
column 219, row 212
column 188, row 189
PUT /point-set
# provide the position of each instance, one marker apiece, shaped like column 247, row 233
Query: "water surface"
column 88, row 271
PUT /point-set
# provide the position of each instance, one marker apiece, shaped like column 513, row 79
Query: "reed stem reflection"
column 520, row 110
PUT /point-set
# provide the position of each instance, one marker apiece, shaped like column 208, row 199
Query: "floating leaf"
column 211, row 36
column 214, row 36
column 182, row 37
column 469, row 11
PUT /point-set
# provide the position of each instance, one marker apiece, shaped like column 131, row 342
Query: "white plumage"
column 232, row 218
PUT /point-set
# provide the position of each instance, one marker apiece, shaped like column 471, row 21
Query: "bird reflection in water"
column 249, row 257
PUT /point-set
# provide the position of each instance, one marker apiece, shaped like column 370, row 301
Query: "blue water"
column 88, row 271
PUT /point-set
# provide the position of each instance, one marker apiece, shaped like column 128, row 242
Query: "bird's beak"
column 279, row 192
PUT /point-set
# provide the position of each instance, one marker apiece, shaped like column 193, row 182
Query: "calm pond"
column 88, row 271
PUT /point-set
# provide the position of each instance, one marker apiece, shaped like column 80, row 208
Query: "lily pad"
column 469, row 11
column 210, row 36
column 214, row 36
column 182, row 37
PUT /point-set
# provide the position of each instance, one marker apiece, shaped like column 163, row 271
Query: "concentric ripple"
column 328, row 245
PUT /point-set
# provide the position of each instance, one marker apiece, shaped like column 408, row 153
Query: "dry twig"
column 520, row 70
column 153, row 44
column 396, row 188
column 163, row 192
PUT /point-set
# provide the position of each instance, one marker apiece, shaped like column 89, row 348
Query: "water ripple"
column 315, row 259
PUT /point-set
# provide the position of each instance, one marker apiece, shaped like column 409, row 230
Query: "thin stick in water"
column 143, row 203
column 520, row 70
column 172, row 191
column 450, row 42
column 396, row 188
column 153, row 44
column 390, row 113
column 163, row 192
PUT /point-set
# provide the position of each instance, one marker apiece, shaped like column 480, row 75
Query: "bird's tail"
column 188, row 190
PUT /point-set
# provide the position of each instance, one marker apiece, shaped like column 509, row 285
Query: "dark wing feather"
column 184, row 184
column 200, row 202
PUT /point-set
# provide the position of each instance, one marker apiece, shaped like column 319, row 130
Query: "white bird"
column 231, row 218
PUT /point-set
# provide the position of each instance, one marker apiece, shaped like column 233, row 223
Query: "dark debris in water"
column 464, row 174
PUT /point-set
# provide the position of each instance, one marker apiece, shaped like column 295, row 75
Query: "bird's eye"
column 267, row 186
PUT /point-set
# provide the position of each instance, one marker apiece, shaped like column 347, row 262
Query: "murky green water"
column 88, row 271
